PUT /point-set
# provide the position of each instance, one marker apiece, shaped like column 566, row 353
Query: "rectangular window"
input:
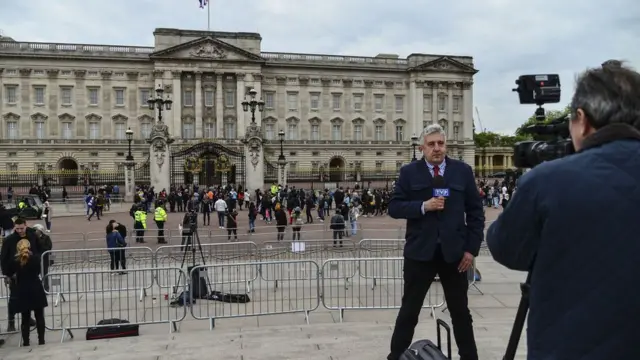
column 188, row 131
column 94, row 130
column 269, row 101
column 93, row 97
column 337, row 102
column 357, row 102
column 120, row 131
column 292, row 102
column 65, row 95
column 12, row 94
column 399, row 104
column 379, row 103
column 292, row 132
column 315, row 132
column 209, row 98
column 357, row 132
column 315, row 101
column 426, row 103
column 119, row 97
column 12, row 130
column 67, row 130
column 230, row 130
column 456, row 104
column 442, row 103
column 230, row 98
column 38, row 95
column 379, row 135
column 145, row 130
column 188, row 98
column 269, row 132
column 399, row 133
column 209, row 130
column 336, row 132
column 40, row 130
column 145, row 94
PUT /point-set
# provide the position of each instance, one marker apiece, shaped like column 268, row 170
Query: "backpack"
column 299, row 221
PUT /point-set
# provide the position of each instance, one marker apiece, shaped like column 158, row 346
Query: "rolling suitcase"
column 112, row 328
column 426, row 349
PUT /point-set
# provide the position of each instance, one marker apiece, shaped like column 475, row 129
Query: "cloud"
column 506, row 38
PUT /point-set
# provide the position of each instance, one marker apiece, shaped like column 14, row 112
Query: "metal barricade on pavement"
column 380, row 248
column 70, row 239
column 363, row 295
column 4, row 309
column 82, row 260
column 315, row 250
column 298, row 295
column 106, row 295
column 221, row 253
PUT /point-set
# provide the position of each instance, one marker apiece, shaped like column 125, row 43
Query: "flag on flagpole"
column 203, row 3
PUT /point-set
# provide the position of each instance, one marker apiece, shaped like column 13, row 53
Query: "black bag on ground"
column 199, row 288
column 426, row 349
column 112, row 328
column 229, row 298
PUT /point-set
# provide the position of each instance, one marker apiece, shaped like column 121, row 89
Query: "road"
column 76, row 232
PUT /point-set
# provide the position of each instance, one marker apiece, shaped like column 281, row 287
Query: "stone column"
column 130, row 182
column 450, row 111
column 467, row 111
column 254, row 158
column 176, row 110
column 219, row 106
column 257, row 84
column 240, row 94
column 160, row 157
column 198, row 105
column 412, row 106
column 282, row 172
column 418, row 108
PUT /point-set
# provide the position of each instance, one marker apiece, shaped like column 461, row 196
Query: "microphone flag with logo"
column 440, row 189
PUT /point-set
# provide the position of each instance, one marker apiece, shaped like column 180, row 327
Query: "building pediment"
column 207, row 48
column 445, row 64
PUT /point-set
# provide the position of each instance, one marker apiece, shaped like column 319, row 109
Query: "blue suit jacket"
column 456, row 233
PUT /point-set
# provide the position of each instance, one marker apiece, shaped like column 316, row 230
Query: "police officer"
column 160, row 218
column 140, row 223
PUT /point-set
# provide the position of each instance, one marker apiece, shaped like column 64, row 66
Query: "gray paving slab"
column 362, row 334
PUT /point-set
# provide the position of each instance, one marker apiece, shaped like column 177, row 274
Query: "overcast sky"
column 507, row 38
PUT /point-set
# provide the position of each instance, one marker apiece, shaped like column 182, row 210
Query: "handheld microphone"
column 439, row 187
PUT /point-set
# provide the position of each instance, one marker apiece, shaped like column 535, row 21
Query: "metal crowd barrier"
column 219, row 254
column 362, row 294
column 106, row 294
column 81, row 260
column 299, row 295
column 4, row 309
column 314, row 250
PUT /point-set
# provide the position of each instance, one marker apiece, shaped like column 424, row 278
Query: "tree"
column 491, row 139
column 551, row 115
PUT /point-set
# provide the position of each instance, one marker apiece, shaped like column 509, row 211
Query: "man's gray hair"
column 608, row 95
column 432, row 129
column 38, row 227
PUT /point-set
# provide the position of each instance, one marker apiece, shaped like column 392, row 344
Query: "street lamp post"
column 160, row 102
column 282, row 161
column 414, row 144
column 129, row 171
column 251, row 104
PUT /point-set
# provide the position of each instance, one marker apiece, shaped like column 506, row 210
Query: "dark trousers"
column 160, row 225
column 206, row 218
column 220, row 219
column 418, row 276
column 25, row 326
column 118, row 259
column 337, row 236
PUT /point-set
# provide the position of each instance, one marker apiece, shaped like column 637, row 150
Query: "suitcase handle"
column 442, row 324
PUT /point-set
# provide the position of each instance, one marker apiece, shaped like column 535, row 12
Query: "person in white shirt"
column 221, row 208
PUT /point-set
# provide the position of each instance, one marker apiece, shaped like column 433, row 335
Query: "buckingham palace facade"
column 68, row 106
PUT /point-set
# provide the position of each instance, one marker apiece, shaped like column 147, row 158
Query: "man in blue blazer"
column 443, row 236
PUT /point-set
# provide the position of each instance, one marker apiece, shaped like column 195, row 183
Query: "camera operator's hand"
column 466, row 262
column 433, row 204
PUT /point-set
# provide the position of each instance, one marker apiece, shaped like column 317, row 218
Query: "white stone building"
column 68, row 106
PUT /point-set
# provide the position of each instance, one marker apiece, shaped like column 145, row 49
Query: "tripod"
column 190, row 239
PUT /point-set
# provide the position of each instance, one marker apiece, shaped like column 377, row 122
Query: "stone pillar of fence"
column 160, row 157
column 254, row 158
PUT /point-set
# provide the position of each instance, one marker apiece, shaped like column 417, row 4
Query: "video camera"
column 190, row 221
column 540, row 90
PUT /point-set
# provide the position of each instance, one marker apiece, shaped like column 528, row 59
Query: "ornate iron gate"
column 207, row 163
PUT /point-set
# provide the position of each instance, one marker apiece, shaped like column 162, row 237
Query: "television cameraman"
column 573, row 223
column 189, row 226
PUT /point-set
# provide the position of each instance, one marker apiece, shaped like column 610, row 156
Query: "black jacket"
column 9, row 250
